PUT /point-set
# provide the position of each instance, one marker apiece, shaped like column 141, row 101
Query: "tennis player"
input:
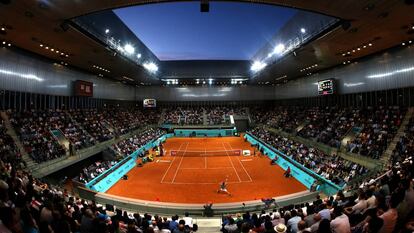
column 223, row 187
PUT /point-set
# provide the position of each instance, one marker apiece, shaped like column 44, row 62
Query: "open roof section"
column 230, row 31
column 245, row 32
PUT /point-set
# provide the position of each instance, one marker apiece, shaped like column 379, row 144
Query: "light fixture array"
column 54, row 50
column 309, row 67
column 101, row 68
column 357, row 49
column 407, row 43
column 5, row 43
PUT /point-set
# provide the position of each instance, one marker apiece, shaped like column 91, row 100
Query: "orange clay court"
column 190, row 177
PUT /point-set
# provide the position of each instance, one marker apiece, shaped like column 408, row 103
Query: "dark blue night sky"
column 178, row 31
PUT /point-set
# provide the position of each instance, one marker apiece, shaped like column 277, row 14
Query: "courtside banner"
column 297, row 169
column 246, row 152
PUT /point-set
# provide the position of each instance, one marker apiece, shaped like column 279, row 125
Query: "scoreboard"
column 83, row 88
column 150, row 103
column 326, row 87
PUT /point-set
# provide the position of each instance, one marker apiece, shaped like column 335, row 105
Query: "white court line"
column 246, row 160
column 241, row 164
column 179, row 165
column 232, row 182
column 209, row 168
column 163, row 161
column 231, row 162
column 162, row 180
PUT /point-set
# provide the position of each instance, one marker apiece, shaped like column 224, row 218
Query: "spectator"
column 231, row 226
column 340, row 223
column 292, row 223
column 390, row 216
column 324, row 226
column 188, row 220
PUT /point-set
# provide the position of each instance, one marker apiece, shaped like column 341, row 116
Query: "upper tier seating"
column 93, row 121
column 375, row 127
column 34, row 128
column 379, row 126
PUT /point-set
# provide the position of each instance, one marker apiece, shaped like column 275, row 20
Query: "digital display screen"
column 150, row 103
column 83, row 88
column 326, row 87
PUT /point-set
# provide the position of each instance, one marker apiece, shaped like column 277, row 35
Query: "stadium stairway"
column 205, row 119
column 30, row 164
column 68, row 114
column 208, row 225
column 401, row 132
column 248, row 114
column 79, row 125
column 162, row 116
column 301, row 126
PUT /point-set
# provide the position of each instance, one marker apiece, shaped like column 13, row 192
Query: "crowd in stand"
column 130, row 145
column 195, row 115
column 321, row 120
column 122, row 149
column 374, row 127
column 216, row 116
column 93, row 170
column 34, row 129
column 71, row 130
column 128, row 120
column 82, row 128
column 285, row 118
column 379, row 126
column 221, row 115
column 172, row 116
column 192, row 116
column 384, row 205
column 93, row 121
column 332, row 167
column 30, row 206
column 184, row 115
column 336, row 129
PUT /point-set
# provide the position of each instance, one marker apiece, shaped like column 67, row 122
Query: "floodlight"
column 279, row 48
column 151, row 67
column 303, row 30
column 129, row 49
column 257, row 66
column 106, row 31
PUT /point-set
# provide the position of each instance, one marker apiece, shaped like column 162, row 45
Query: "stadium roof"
column 229, row 31
column 383, row 24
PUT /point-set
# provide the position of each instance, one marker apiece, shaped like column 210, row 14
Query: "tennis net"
column 217, row 153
